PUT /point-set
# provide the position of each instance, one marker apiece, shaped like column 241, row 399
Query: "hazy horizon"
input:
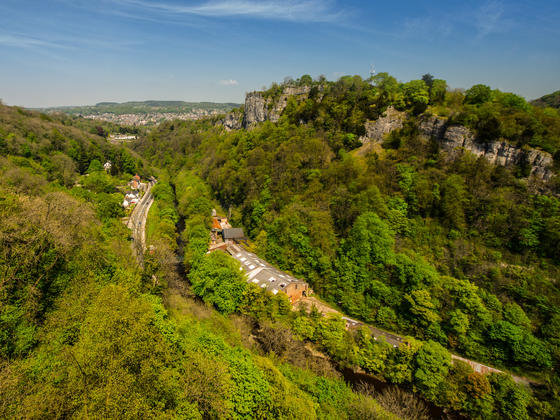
column 132, row 101
column 72, row 53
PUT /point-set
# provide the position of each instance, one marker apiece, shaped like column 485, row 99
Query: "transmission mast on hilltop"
column 371, row 73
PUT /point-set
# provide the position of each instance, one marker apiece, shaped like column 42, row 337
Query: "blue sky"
column 72, row 52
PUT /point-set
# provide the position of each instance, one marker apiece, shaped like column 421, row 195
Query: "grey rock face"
column 378, row 129
column 455, row 139
column 431, row 126
column 232, row 121
column 258, row 109
column 255, row 109
column 541, row 163
column 299, row 92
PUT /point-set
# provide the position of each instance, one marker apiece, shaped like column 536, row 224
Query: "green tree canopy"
column 478, row 94
column 416, row 95
column 432, row 365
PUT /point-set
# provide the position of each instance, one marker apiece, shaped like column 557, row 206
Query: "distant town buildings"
column 152, row 118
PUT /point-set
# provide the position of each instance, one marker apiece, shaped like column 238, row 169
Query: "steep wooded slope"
column 456, row 251
column 552, row 100
column 84, row 331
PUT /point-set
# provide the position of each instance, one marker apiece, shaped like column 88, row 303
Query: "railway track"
column 137, row 222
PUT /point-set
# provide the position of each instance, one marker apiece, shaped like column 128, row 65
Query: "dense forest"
column 86, row 332
column 455, row 254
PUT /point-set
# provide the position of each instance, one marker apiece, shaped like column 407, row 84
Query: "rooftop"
column 260, row 272
column 233, row 233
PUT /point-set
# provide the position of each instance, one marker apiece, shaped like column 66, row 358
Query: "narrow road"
column 394, row 339
column 137, row 222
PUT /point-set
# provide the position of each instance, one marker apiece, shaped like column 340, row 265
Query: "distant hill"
column 552, row 100
column 140, row 107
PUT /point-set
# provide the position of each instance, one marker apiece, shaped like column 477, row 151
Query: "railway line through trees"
column 396, row 340
column 137, row 222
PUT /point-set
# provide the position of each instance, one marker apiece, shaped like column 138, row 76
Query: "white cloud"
column 490, row 19
column 62, row 43
column 229, row 82
column 26, row 42
column 290, row 10
column 485, row 20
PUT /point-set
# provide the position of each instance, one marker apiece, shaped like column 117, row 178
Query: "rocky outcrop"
column 299, row 92
column 455, row 139
column 432, row 126
column 233, row 121
column 378, row 129
column 259, row 109
column 255, row 109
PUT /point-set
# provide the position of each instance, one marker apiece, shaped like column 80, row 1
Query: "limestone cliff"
column 259, row 109
column 378, row 129
column 233, row 121
column 454, row 139
column 255, row 109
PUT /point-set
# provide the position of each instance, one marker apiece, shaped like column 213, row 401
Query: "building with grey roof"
column 264, row 275
column 233, row 234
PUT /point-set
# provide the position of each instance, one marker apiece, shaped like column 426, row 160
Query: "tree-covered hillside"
column 453, row 253
column 345, row 105
column 86, row 332
column 457, row 252
column 551, row 100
